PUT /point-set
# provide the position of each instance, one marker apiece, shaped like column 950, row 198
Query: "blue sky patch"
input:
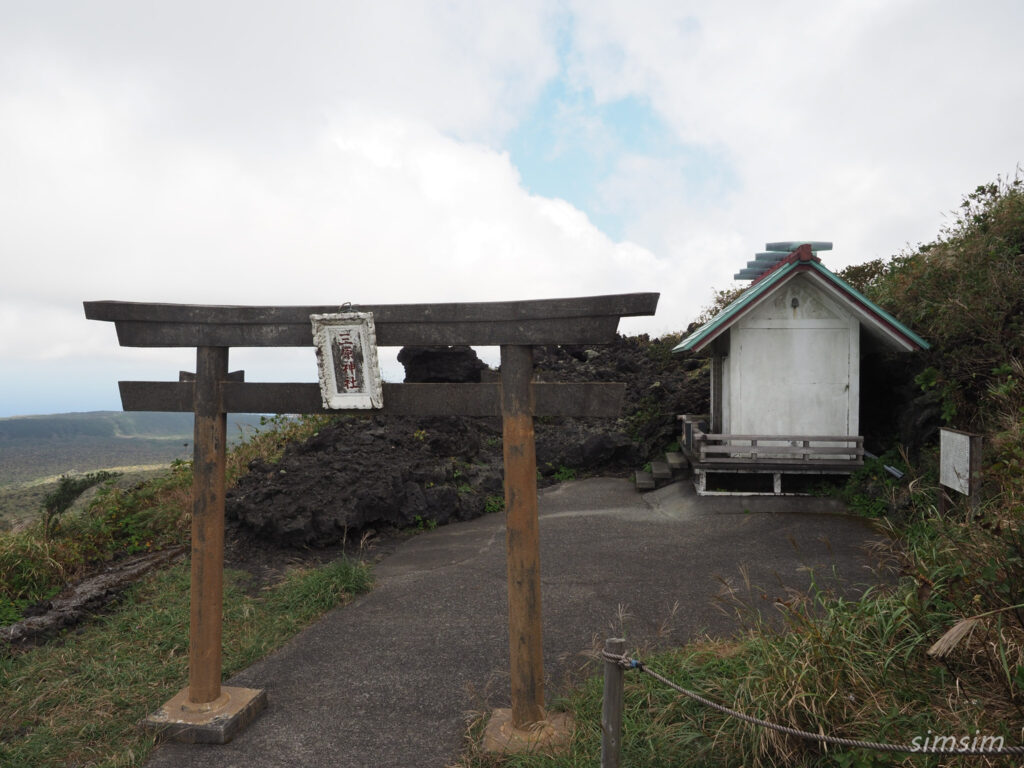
column 569, row 145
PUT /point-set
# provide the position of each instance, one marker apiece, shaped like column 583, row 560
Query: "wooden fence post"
column 522, row 536
column 611, row 708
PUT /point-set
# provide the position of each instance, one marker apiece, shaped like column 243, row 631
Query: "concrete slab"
column 644, row 480
column 676, row 461
column 551, row 736
column 217, row 723
column 660, row 470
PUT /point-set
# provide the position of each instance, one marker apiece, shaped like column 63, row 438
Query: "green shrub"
column 964, row 293
column 68, row 490
column 564, row 473
column 872, row 491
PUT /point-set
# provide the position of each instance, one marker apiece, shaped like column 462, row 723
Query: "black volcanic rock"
column 368, row 471
column 440, row 364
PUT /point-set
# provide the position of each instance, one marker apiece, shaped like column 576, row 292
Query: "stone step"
column 644, row 481
column 675, row 460
column 660, row 470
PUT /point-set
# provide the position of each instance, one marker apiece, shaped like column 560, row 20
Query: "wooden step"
column 660, row 470
column 676, row 461
column 644, row 481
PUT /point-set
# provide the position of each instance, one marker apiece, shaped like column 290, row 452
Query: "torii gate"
column 206, row 711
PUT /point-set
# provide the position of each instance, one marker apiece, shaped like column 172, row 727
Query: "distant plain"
column 36, row 450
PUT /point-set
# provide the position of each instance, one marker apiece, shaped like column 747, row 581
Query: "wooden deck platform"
column 774, row 456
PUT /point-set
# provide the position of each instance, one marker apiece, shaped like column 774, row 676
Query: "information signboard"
column 955, row 460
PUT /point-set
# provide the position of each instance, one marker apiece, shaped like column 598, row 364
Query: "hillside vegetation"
column 964, row 293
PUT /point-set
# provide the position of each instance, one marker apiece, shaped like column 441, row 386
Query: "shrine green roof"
column 877, row 321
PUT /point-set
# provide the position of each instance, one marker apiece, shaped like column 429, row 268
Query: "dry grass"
column 269, row 443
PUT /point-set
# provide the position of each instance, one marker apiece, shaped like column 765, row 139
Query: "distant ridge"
column 96, row 424
column 108, row 424
column 32, row 447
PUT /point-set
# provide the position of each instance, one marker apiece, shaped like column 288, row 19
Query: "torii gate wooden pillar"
column 205, row 711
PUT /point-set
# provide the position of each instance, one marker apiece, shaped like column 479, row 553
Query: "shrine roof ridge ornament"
column 774, row 253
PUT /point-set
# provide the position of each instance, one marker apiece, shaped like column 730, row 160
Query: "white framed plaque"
column 959, row 460
column 346, row 355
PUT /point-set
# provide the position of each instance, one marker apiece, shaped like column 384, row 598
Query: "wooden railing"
column 710, row 449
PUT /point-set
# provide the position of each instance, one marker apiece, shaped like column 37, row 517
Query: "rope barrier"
column 627, row 663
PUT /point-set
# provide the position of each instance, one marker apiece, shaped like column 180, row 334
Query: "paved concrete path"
column 393, row 678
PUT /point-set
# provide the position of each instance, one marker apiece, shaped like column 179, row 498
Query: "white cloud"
column 380, row 209
column 322, row 152
column 250, row 74
column 857, row 122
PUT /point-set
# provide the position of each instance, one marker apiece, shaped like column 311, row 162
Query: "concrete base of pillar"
column 550, row 736
column 216, row 723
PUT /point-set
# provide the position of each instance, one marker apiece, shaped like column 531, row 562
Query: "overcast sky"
column 386, row 152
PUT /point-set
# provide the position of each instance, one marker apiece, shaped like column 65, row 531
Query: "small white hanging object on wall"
column 346, row 354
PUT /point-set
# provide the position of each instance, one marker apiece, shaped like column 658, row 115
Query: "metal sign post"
column 206, row 711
